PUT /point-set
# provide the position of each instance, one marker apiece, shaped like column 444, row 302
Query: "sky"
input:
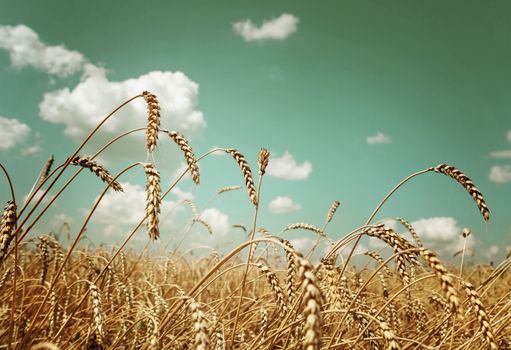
column 349, row 97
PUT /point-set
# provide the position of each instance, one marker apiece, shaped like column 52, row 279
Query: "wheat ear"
column 199, row 325
column 312, row 302
column 189, row 155
column 7, row 229
column 153, row 120
column 482, row 316
column 97, row 313
column 100, row 171
column 447, row 284
column 247, row 174
column 469, row 185
column 153, row 200
column 264, row 157
column 305, row 226
column 275, row 286
column 331, row 211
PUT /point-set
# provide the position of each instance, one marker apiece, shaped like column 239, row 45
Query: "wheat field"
column 264, row 294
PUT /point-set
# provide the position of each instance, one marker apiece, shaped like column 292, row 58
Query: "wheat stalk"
column 312, row 302
column 331, row 211
column 275, row 286
column 305, row 226
column 199, row 325
column 482, row 316
column 247, row 174
column 153, row 120
column 153, row 200
column 97, row 169
column 97, row 314
column 193, row 165
column 228, row 188
column 450, row 291
column 7, row 230
column 264, row 157
column 469, row 185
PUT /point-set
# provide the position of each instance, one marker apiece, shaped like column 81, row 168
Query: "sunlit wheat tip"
column 189, row 155
column 153, row 120
column 97, row 169
column 466, row 182
column 247, row 174
column 153, row 200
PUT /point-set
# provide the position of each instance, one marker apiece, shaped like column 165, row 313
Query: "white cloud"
column 119, row 212
column 302, row 245
column 492, row 251
column 26, row 49
column 282, row 205
column 500, row 174
column 287, row 168
column 12, row 133
column 275, row 29
column 379, row 138
column 509, row 136
column 30, row 150
column 218, row 221
column 506, row 154
column 83, row 107
column 442, row 234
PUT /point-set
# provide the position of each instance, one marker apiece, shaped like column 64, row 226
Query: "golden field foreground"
column 264, row 294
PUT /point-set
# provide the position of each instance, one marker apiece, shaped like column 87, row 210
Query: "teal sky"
column 433, row 79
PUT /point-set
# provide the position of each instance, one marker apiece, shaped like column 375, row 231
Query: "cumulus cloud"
column 379, row 138
column 218, row 221
column 500, row 174
column 442, row 233
column 26, row 49
column 275, row 29
column 287, row 168
column 509, row 136
column 282, row 205
column 505, row 154
column 12, row 133
column 303, row 244
column 118, row 212
column 82, row 108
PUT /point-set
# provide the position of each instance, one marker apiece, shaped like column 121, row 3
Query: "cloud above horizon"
column 26, row 49
column 379, row 138
column 286, row 167
column 278, row 28
column 12, row 133
column 500, row 174
column 283, row 205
